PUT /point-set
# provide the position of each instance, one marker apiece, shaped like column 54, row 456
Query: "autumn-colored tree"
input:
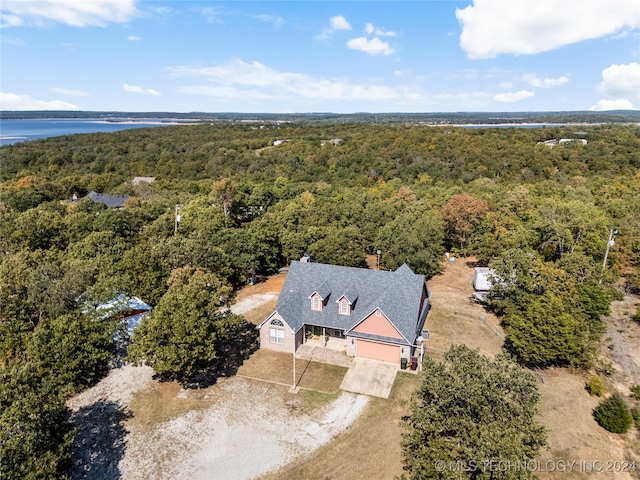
column 461, row 214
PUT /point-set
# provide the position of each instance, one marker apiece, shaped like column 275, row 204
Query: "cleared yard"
column 239, row 428
column 573, row 435
column 251, row 425
column 270, row 366
column 368, row 449
column 454, row 319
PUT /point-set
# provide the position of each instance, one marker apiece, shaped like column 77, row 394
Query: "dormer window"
column 316, row 304
column 345, row 308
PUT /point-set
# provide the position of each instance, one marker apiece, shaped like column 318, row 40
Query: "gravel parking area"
column 238, row 428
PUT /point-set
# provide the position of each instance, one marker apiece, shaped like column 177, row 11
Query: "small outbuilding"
column 482, row 278
column 125, row 309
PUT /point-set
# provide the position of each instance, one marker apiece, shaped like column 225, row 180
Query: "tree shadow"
column 231, row 355
column 99, row 443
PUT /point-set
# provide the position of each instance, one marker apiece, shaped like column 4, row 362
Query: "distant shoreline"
column 451, row 119
column 138, row 122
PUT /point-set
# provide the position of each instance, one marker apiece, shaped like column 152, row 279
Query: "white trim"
column 316, row 303
column 377, row 309
column 275, row 312
column 347, row 309
column 277, row 334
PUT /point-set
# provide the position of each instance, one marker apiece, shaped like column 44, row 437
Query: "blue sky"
column 323, row 56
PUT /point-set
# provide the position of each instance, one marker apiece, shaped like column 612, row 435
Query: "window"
column 276, row 335
column 277, row 323
column 344, row 308
column 315, row 303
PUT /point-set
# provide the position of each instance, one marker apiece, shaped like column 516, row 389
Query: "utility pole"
column 610, row 243
column 293, row 389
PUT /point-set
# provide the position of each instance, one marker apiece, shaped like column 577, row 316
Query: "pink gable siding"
column 378, row 325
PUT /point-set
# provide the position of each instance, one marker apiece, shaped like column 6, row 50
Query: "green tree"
column 547, row 333
column 415, row 238
column 545, row 325
column 613, row 414
column 73, row 350
column 470, row 410
column 339, row 247
column 35, row 435
column 40, row 228
column 181, row 336
column 28, row 283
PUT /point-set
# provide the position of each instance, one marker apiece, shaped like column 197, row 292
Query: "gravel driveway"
column 247, row 429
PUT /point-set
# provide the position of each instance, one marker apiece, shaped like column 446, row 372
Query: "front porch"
column 324, row 349
column 326, row 336
column 327, row 342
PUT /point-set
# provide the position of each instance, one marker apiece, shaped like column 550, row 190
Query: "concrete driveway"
column 370, row 377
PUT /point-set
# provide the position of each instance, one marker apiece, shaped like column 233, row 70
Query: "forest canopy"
column 229, row 204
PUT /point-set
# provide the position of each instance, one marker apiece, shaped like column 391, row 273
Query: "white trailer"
column 481, row 280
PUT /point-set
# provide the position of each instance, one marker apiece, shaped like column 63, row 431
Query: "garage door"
column 378, row 351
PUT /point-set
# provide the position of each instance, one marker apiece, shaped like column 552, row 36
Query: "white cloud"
column 211, row 15
column 620, row 104
column 547, row 82
column 373, row 46
column 72, row 93
column 372, row 30
column 339, row 23
column 275, row 20
column 512, row 96
column 491, row 28
column 11, row 101
column 620, row 86
column 9, row 20
column 140, row 90
column 77, row 13
column 254, row 80
column 335, row 24
column 133, row 38
column 621, row 81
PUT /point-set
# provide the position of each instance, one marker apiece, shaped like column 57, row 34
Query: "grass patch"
column 258, row 314
column 321, row 376
column 406, row 383
column 271, row 366
column 310, row 401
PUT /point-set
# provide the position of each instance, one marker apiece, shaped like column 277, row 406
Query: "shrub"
column 635, row 414
column 635, row 392
column 595, row 386
column 613, row 414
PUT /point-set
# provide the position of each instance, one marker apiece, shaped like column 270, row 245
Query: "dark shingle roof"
column 111, row 201
column 397, row 294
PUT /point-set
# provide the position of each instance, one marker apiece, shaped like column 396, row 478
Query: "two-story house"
column 378, row 314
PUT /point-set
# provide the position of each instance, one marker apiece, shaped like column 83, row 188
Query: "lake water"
column 13, row 131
